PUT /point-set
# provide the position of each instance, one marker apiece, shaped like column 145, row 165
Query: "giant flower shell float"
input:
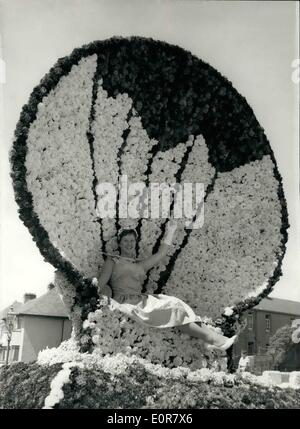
column 155, row 113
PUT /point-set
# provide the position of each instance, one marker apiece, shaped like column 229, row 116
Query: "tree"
column 282, row 347
column 9, row 320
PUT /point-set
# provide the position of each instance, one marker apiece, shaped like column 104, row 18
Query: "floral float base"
column 65, row 378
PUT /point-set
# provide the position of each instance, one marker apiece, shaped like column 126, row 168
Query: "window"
column 250, row 322
column 2, row 353
column 268, row 322
column 250, row 348
column 18, row 322
column 15, row 353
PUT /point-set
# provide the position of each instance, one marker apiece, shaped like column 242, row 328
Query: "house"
column 37, row 323
column 14, row 351
column 261, row 323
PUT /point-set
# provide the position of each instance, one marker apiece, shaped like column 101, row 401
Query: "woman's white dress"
column 156, row 310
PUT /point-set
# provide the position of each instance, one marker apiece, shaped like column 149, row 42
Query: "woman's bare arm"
column 163, row 249
column 156, row 258
column 105, row 276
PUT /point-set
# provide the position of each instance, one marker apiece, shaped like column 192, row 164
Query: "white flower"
column 95, row 281
column 84, row 339
column 96, row 339
column 86, row 324
column 228, row 311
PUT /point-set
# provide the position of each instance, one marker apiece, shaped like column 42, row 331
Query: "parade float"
column 152, row 112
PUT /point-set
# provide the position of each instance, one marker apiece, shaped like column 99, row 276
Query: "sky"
column 252, row 43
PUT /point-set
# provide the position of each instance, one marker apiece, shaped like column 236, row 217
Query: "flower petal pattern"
column 60, row 179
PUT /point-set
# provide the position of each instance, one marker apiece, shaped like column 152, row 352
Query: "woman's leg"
column 204, row 333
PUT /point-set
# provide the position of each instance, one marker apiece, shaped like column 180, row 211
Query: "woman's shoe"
column 224, row 346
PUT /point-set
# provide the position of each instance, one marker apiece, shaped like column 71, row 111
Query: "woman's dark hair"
column 125, row 232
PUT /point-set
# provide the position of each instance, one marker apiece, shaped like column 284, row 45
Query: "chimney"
column 28, row 297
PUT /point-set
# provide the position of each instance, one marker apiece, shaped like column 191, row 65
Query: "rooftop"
column 277, row 305
column 15, row 307
column 50, row 304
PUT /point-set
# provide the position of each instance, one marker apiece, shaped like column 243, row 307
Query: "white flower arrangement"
column 62, row 377
column 60, row 179
column 231, row 235
column 228, row 311
column 68, row 353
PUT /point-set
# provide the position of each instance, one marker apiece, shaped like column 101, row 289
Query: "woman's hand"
column 171, row 225
column 163, row 249
column 170, row 231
